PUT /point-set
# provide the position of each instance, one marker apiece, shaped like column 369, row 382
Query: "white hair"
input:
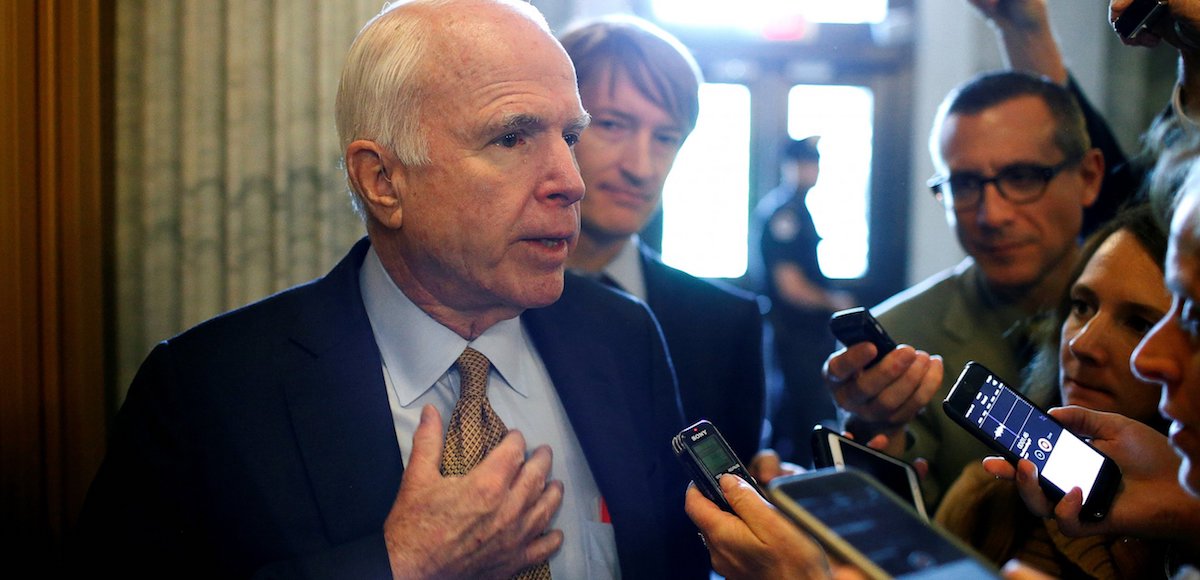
column 382, row 86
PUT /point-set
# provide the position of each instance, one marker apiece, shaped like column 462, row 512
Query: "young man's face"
column 624, row 156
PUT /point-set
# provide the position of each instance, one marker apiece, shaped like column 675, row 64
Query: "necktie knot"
column 473, row 368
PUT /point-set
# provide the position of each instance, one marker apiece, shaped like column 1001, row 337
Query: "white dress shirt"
column 418, row 356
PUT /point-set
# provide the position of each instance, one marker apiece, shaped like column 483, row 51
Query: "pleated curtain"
column 228, row 184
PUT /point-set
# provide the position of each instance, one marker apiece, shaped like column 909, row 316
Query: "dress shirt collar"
column 417, row 350
column 626, row 268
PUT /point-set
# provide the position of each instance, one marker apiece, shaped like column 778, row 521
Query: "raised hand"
column 490, row 523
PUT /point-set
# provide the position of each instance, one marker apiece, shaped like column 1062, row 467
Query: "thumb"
column 1086, row 422
column 426, row 458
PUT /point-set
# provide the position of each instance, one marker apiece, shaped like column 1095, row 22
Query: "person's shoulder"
column 682, row 285
column 322, row 302
column 247, row 321
column 589, row 299
column 926, row 296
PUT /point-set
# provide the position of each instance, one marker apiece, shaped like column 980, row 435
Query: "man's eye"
column 1022, row 175
column 669, row 139
column 510, row 140
column 571, row 139
column 607, row 124
column 1140, row 324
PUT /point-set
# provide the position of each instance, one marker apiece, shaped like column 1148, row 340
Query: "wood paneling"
column 55, row 188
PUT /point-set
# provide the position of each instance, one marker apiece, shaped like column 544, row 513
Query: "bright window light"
column 842, row 116
column 705, row 201
column 766, row 15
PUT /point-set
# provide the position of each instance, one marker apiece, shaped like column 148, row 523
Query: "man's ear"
column 369, row 168
column 1091, row 169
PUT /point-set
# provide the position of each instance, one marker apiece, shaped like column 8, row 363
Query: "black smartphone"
column 706, row 455
column 865, row 524
column 1015, row 427
column 832, row 449
column 855, row 325
column 1140, row 15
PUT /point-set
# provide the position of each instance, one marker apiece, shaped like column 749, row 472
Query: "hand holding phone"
column 855, row 325
column 1014, row 426
column 706, row 455
column 1138, row 17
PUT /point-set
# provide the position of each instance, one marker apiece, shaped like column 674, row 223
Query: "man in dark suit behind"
column 641, row 87
column 302, row 435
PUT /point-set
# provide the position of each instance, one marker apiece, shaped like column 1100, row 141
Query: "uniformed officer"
column 801, row 300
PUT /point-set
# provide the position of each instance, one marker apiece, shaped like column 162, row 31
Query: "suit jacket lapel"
column 583, row 369
column 337, row 400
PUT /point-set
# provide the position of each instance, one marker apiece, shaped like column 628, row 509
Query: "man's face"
column 488, row 222
column 1170, row 355
column 803, row 173
column 624, row 156
column 1016, row 246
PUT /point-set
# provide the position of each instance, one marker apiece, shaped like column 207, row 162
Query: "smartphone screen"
column 831, row 449
column 1019, row 426
column 1013, row 425
column 875, row 524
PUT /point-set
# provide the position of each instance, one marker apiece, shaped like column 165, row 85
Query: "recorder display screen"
column 713, row 455
column 1060, row 456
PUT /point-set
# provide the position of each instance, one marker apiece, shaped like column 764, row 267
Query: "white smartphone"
column 832, row 449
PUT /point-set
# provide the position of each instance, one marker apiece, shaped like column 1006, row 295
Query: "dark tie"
column 475, row 429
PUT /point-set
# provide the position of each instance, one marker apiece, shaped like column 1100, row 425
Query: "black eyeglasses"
column 1018, row 183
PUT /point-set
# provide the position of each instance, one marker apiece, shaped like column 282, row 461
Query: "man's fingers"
column 843, row 364
column 426, row 457
column 1015, row 570
column 863, row 389
column 1088, row 423
column 921, row 466
column 742, row 498
column 999, row 468
column 927, row 386
column 765, row 466
column 505, row 460
column 701, row 510
column 542, row 547
column 1027, row 485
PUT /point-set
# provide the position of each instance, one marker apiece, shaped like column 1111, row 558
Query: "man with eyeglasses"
column 1015, row 168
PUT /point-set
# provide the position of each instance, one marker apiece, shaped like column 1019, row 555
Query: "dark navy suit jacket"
column 261, row 441
column 714, row 333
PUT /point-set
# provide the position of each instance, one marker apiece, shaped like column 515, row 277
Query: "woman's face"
column 1117, row 299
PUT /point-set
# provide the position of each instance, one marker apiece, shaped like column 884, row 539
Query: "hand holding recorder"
column 756, row 541
column 707, row 456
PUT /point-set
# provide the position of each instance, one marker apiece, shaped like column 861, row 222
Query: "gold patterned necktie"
column 475, row 429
